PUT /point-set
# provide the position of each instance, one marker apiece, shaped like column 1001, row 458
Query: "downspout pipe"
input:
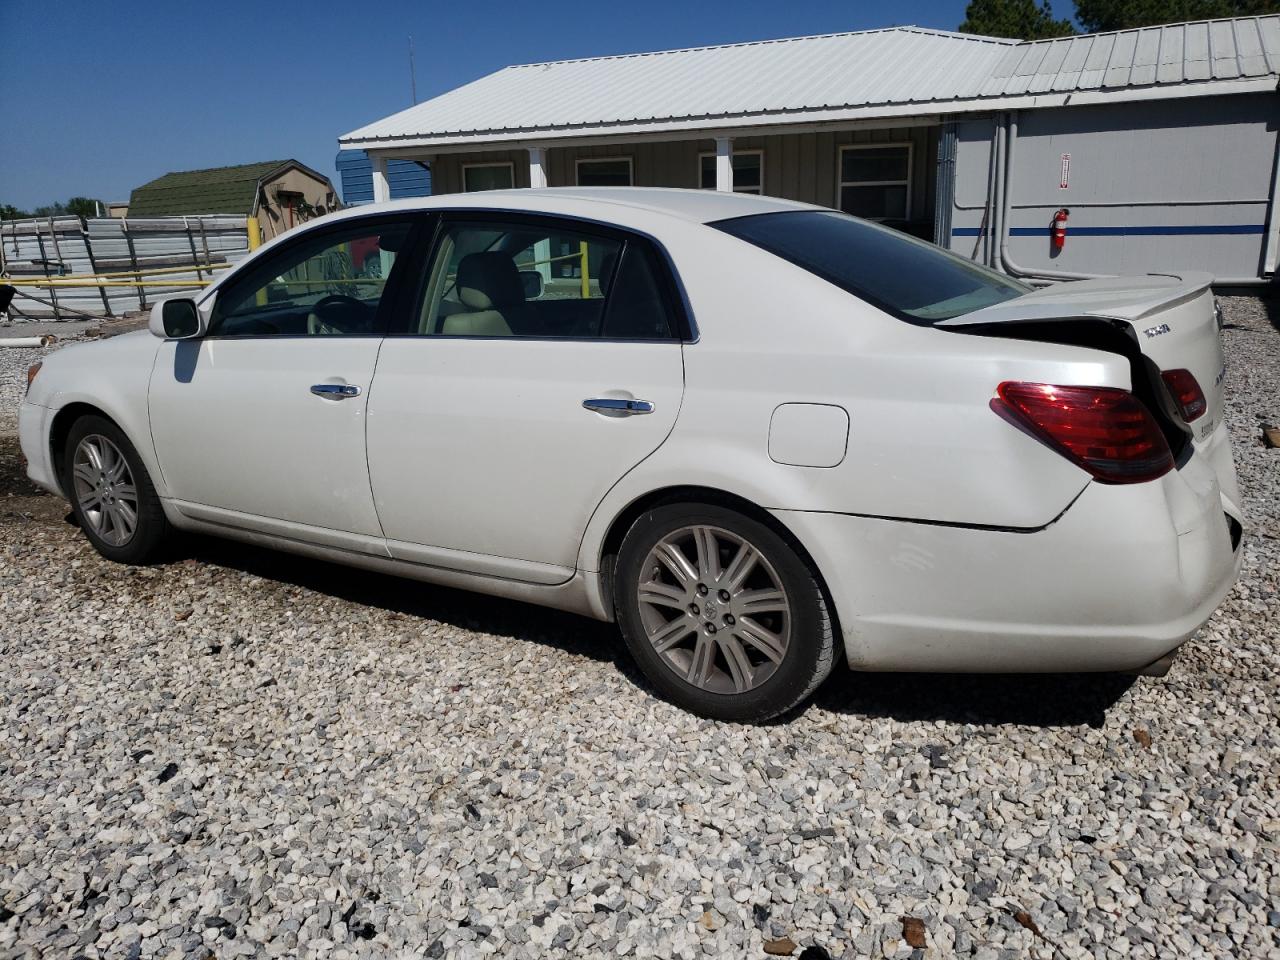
column 1006, row 262
column 997, row 151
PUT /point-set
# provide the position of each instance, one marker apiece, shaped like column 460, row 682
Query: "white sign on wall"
column 1066, row 172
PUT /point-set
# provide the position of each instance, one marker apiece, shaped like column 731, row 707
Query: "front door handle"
column 335, row 391
column 613, row 407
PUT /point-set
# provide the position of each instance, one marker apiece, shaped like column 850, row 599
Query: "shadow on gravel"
column 471, row 611
column 1035, row 700
column 1271, row 307
column 1048, row 700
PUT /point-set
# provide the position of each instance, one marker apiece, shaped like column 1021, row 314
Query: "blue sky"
column 99, row 97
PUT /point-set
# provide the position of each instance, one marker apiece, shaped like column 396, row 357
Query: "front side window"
column 908, row 278
column 875, row 182
column 748, row 171
column 487, row 176
column 541, row 279
column 324, row 284
column 614, row 172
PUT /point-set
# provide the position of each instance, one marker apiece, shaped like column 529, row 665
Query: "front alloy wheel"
column 115, row 502
column 721, row 613
column 104, row 490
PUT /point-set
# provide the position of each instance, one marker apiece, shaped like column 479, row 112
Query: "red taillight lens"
column 1106, row 431
column 1186, row 392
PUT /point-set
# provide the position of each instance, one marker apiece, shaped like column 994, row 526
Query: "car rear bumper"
column 32, row 430
column 1122, row 578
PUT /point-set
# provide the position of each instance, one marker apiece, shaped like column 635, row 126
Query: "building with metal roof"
column 279, row 193
column 974, row 142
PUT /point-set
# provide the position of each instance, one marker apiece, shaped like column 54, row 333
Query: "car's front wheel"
column 720, row 612
column 111, row 492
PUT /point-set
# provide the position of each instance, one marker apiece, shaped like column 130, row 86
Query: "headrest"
column 488, row 281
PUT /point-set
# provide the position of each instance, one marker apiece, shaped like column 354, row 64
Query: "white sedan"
column 757, row 434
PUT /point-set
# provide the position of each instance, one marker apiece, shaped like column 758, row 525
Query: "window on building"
column 748, row 171
column 487, row 176
column 611, row 172
column 875, row 182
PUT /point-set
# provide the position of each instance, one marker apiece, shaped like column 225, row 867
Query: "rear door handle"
column 613, row 407
column 335, row 391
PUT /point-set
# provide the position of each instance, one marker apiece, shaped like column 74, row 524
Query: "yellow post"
column 586, row 280
column 255, row 240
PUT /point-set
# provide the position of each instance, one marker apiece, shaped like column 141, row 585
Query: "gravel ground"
column 243, row 754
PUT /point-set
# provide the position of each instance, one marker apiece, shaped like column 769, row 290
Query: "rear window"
column 909, row 278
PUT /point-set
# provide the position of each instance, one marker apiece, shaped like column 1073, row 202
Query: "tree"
column 82, row 207
column 1100, row 15
column 1021, row 19
column 9, row 212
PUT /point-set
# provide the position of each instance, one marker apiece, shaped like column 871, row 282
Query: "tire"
column 99, row 503
column 747, row 658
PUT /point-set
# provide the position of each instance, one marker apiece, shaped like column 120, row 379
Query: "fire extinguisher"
column 1060, row 228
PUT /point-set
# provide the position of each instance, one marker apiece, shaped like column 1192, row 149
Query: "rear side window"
column 541, row 278
column 909, row 278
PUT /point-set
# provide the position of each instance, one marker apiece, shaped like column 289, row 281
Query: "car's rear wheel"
column 720, row 612
column 111, row 492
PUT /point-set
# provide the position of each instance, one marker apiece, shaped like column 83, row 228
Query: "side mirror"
column 177, row 319
column 531, row 280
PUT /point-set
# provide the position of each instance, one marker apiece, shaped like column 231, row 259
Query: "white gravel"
column 241, row 753
column 13, row 383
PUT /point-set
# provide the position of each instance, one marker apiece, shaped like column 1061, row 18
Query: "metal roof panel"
column 900, row 66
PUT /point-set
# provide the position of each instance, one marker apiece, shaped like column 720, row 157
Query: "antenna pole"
column 413, row 73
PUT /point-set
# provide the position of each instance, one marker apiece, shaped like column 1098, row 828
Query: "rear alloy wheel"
column 721, row 613
column 111, row 492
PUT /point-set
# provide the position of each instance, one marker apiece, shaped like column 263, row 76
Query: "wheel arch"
column 625, row 518
column 60, row 429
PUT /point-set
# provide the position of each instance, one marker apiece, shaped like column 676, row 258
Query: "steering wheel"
column 337, row 314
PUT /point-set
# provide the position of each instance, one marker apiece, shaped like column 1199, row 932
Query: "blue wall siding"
column 405, row 178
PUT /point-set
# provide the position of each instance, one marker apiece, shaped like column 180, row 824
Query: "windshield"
column 909, row 278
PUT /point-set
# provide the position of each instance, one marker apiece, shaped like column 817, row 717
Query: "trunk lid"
column 1172, row 319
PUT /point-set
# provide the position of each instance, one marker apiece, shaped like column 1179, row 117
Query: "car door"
column 260, row 423
column 544, row 362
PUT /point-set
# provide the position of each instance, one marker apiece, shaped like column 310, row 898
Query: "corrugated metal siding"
column 1151, row 56
column 156, row 242
column 404, row 177
column 901, row 65
column 1150, row 189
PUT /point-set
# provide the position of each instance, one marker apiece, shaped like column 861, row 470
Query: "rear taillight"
column 1106, row 431
column 1186, row 393
column 31, row 373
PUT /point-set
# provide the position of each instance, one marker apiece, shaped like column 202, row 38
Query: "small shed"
column 280, row 194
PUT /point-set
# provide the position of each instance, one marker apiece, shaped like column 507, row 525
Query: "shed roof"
column 215, row 190
column 828, row 77
column 1176, row 53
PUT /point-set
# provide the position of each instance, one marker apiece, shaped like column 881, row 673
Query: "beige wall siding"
column 446, row 172
column 800, row 166
column 273, row 216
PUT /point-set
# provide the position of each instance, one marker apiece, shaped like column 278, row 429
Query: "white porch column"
column 724, row 164
column 381, row 188
column 537, row 167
